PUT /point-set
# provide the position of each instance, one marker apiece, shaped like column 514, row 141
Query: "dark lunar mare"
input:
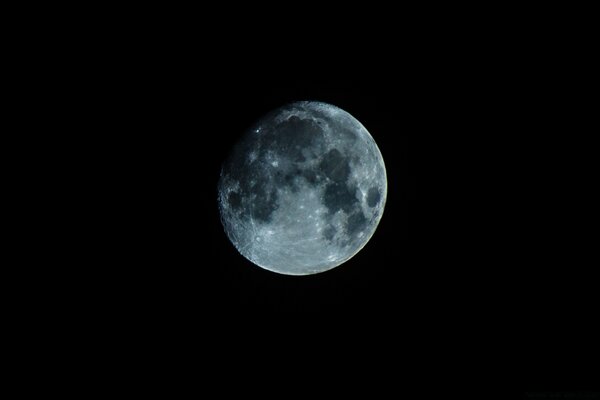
column 288, row 140
column 256, row 197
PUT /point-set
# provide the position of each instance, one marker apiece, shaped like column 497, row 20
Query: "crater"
column 373, row 197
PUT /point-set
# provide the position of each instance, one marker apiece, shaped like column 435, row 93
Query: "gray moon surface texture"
column 303, row 190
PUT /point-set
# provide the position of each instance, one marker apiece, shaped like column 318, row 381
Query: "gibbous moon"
column 303, row 190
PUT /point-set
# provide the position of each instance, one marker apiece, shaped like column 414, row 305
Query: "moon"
column 303, row 190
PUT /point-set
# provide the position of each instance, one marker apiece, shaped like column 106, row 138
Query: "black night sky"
column 479, row 281
column 421, row 284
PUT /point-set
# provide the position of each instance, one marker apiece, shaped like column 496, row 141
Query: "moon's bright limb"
column 304, row 189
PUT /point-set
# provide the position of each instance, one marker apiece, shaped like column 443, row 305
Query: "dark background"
column 445, row 284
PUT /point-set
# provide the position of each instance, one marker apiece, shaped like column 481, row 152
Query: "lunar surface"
column 303, row 190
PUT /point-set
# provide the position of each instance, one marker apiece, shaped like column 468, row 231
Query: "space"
column 452, row 287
